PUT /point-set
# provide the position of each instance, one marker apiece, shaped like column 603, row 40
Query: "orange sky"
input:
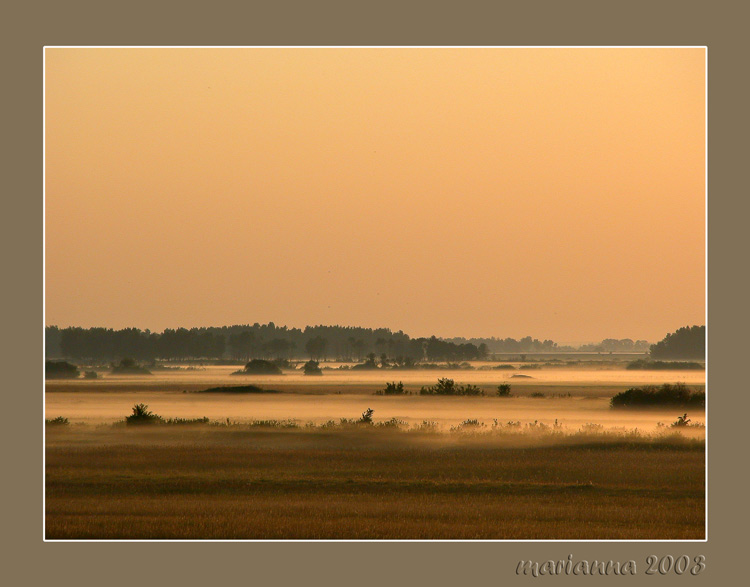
column 557, row 193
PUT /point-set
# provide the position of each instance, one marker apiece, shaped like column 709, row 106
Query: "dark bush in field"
column 90, row 375
column 60, row 370
column 59, row 421
column 142, row 415
column 504, row 367
column 503, row 390
column 312, row 368
column 393, row 389
column 643, row 364
column 447, row 386
column 667, row 395
column 259, row 367
column 129, row 367
column 238, row 389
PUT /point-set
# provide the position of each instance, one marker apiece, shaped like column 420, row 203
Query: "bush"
column 60, row 370
column 129, row 367
column 90, row 375
column 503, row 390
column 505, row 367
column 366, row 416
column 142, row 415
column 259, row 367
column 447, row 386
column 393, row 389
column 667, row 395
column 312, row 368
column 59, row 421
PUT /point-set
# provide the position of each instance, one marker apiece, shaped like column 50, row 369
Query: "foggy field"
column 585, row 473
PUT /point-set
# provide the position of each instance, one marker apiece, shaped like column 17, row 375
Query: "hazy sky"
column 557, row 193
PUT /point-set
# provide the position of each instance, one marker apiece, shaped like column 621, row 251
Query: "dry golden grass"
column 344, row 484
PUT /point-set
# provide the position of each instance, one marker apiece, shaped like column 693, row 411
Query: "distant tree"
column 688, row 342
column 312, row 368
column 60, row 370
column 259, row 367
column 128, row 366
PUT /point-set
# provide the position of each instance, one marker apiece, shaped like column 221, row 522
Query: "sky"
column 556, row 193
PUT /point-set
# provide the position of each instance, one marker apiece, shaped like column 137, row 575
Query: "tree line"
column 257, row 341
column 243, row 342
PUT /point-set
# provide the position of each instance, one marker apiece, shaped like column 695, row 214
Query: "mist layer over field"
column 573, row 397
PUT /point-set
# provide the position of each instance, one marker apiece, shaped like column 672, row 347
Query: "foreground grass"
column 346, row 483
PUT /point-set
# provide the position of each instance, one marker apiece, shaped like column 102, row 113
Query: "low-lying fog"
column 343, row 394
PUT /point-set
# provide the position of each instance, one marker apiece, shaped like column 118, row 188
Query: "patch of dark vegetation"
column 90, row 375
column 312, row 368
column 59, row 421
column 688, row 342
column 143, row 416
column 259, row 367
column 60, row 370
column 393, row 389
column 186, row 421
column 537, row 394
column 685, row 422
column 238, row 389
column 531, row 366
column 518, row 375
column 644, row 364
column 129, row 367
column 667, row 395
column 505, row 367
column 503, row 390
column 447, row 386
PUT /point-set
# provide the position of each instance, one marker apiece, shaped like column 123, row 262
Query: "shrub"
column 90, row 375
column 392, row 423
column 366, row 417
column 60, row 370
column 129, row 367
column 447, row 386
column 392, row 389
column 59, row 421
column 259, row 367
column 505, row 367
column 681, row 421
column 503, row 390
column 312, row 368
column 667, row 395
column 142, row 415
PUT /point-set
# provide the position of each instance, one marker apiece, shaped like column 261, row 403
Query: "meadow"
column 285, row 465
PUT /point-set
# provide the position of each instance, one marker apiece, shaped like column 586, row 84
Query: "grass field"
column 354, row 483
